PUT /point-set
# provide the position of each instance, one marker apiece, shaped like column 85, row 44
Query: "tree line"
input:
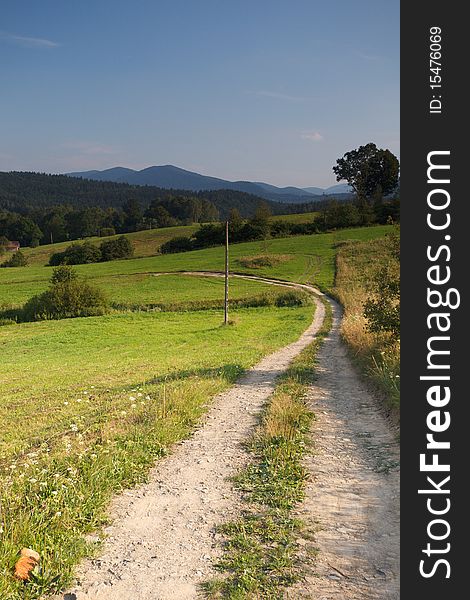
column 42, row 209
column 333, row 215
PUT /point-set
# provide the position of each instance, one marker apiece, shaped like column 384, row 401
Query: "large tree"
column 369, row 171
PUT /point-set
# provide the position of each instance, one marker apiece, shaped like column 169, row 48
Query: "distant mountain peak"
column 173, row 177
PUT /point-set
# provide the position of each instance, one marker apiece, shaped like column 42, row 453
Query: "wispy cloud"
column 26, row 41
column 91, row 148
column 313, row 136
column 278, row 96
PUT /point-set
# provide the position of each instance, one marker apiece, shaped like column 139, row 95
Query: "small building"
column 12, row 246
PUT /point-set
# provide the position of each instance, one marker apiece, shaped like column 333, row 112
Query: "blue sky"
column 265, row 90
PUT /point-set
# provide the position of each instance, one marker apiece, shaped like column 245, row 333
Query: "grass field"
column 309, row 258
column 88, row 404
column 146, row 243
column 300, row 218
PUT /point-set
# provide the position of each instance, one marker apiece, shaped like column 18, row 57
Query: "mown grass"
column 377, row 356
column 311, row 259
column 88, row 404
column 144, row 289
column 261, row 554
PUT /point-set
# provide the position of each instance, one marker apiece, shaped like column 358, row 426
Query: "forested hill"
column 23, row 192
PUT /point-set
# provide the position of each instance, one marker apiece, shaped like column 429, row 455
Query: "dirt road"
column 353, row 493
column 162, row 542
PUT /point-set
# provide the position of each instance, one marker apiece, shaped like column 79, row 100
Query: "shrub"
column 107, row 231
column 62, row 274
column 76, row 254
column 177, row 244
column 261, row 260
column 4, row 322
column 293, row 298
column 18, row 259
column 66, row 297
column 116, row 249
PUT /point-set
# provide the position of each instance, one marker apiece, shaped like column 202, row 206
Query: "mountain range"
column 171, row 177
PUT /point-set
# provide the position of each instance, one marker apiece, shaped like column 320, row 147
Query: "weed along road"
column 163, row 541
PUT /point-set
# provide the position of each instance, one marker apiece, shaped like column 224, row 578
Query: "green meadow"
column 146, row 243
column 88, row 404
column 302, row 258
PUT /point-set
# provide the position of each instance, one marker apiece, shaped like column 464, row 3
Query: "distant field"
column 146, row 243
column 305, row 258
column 301, row 218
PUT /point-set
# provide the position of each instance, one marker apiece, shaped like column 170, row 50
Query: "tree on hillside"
column 133, row 211
column 369, row 170
column 157, row 215
column 3, row 244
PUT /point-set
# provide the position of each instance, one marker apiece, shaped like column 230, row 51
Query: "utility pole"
column 226, row 275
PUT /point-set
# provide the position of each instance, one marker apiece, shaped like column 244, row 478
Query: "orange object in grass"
column 26, row 563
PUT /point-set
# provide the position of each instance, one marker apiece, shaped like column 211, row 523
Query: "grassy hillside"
column 145, row 243
column 301, row 218
column 300, row 258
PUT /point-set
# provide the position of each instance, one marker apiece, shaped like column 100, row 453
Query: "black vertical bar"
column 433, row 120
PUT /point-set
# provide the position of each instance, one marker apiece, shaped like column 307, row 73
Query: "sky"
column 259, row 90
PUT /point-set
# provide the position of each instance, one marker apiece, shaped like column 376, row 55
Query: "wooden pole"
column 226, row 275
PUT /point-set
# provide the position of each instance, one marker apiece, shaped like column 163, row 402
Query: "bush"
column 177, row 244
column 4, row 322
column 76, row 254
column 293, row 298
column 18, row 259
column 66, row 297
column 107, row 231
column 62, row 274
column 116, row 249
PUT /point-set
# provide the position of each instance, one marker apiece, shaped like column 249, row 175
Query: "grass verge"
column 377, row 356
column 261, row 553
